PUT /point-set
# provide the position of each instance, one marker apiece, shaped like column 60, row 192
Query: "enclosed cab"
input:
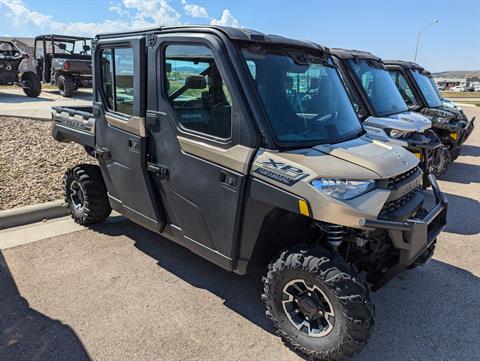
column 10, row 59
column 384, row 113
column 246, row 149
column 64, row 61
column 452, row 126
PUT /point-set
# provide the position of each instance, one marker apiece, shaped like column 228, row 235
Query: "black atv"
column 10, row 58
column 414, row 83
column 64, row 61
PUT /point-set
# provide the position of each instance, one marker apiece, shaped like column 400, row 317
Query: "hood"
column 386, row 160
column 449, row 103
column 407, row 121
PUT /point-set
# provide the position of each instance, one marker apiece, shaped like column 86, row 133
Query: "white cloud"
column 195, row 11
column 155, row 12
column 129, row 14
column 118, row 9
column 137, row 13
column 227, row 19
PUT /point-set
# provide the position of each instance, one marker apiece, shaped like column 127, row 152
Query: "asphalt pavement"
column 120, row 292
column 14, row 102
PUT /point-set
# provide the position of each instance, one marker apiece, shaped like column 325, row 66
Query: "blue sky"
column 386, row 28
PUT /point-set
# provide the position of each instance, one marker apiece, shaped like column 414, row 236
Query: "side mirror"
column 86, row 48
column 196, row 82
column 62, row 46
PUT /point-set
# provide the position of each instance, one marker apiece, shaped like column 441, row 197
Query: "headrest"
column 196, row 82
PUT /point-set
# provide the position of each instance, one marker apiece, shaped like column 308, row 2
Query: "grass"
column 449, row 94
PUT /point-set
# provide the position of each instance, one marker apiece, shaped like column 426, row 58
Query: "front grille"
column 391, row 206
column 397, row 179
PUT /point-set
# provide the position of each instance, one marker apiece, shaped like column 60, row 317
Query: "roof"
column 238, row 34
column 352, row 54
column 404, row 64
column 61, row 37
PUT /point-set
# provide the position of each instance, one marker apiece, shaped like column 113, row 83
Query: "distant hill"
column 457, row 74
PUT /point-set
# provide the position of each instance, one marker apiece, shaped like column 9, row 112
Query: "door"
column 203, row 139
column 119, row 109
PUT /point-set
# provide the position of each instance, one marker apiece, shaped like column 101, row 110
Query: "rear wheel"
column 32, row 87
column 318, row 304
column 86, row 194
column 66, row 87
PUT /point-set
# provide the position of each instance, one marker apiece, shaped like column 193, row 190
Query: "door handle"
column 134, row 145
column 157, row 170
column 229, row 180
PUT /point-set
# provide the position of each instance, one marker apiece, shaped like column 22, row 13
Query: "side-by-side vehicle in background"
column 10, row 58
column 64, row 61
column 246, row 149
column 384, row 113
column 452, row 125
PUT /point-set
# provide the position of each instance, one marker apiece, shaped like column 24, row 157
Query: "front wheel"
column 86, row 194
column 318, row 304
column 439, row 161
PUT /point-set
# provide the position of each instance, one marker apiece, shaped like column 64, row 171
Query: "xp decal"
column 281, row 172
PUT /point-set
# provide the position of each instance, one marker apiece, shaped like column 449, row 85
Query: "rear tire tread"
column 96, row 206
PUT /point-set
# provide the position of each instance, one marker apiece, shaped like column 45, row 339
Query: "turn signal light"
column 66, row 65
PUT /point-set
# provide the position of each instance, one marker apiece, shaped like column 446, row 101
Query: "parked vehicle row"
column 64, row 61
column 253, row 150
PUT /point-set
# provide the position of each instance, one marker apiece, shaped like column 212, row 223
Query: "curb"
column 34, row 213
column 42, row 119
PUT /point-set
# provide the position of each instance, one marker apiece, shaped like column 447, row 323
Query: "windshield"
column 434, row 85
column 304, row 98
column 379, row 87
column 429, row 93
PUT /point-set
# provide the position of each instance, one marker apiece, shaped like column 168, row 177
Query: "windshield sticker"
column 281, row 172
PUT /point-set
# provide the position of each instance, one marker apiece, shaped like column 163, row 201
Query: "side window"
column 403, row 87
column 196, row 90
column 118, row 78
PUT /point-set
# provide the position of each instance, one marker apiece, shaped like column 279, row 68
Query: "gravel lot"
column 32, row 163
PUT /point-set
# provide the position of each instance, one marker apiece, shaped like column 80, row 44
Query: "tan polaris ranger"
column 245, row 148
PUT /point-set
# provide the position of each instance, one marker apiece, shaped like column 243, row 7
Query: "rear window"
column 118, row 79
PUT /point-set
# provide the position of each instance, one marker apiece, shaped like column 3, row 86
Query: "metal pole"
column 418, row 37
column 416, row 48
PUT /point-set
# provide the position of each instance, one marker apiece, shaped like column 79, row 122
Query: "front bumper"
column 467, row 131
column 412, row 237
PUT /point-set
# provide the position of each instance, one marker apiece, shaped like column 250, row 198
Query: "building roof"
column 19, row 40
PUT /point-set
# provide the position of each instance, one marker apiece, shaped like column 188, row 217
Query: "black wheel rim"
column 77, row 197
column 308, row 308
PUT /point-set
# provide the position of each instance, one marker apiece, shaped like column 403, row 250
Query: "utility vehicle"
column 10, row 58
column 65, row 61
column 246, row 149
column 451, row 125
column 385, row 114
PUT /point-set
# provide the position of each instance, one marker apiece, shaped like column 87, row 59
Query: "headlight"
column 343, row 189
column 395, row 133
